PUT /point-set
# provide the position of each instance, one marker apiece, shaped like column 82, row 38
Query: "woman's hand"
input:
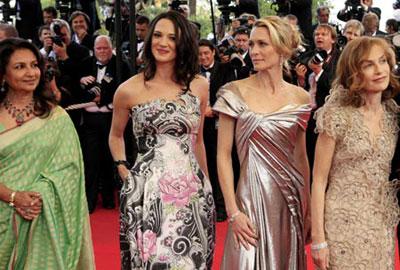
column 321, row 258
column 244, row 232
column 28, row 204
column 123, row 172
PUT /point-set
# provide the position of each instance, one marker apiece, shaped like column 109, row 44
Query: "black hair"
column 242, row 30
column 52, row 10
column 42, row 28
column 393, row 24
column 43, row 100
column 186, row 62
column 141, row 19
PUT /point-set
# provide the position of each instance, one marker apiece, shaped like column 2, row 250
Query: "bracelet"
column 121, row 162
column 319, row 246
column 233, row 216
column 12, row 199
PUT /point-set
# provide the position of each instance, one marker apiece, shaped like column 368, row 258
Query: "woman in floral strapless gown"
column 167, row 208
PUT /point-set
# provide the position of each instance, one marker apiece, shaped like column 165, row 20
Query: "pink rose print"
column 147, row 244
column 177, row 190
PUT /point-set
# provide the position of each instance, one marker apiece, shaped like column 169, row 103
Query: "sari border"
column 11, row 136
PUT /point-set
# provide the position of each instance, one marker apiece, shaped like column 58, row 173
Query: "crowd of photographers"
column 84, row 68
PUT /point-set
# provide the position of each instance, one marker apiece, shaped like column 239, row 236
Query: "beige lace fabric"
column 361, row 209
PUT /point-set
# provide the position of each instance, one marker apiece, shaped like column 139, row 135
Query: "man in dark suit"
column 317, row 78
column 370, row 21
column 241, row 38
column 69, row 61
column 217, row 74
column 100, row 83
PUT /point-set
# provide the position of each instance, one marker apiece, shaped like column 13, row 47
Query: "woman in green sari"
column 44, row 221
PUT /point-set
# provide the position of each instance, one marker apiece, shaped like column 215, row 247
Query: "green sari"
column 44, row 155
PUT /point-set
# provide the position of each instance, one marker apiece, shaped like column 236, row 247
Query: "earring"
column 281, row 60
column 3, row 88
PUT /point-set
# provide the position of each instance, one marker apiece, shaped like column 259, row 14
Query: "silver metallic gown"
column 270, row 189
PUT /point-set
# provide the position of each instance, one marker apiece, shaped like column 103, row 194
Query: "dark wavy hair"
column 186, row 62
column 42, row 97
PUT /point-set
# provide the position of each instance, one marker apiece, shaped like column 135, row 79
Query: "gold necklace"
column 18, row 114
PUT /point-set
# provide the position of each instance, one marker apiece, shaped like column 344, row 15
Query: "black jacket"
column 109, row 84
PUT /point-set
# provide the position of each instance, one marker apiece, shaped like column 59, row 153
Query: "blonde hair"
column 349, row 73
column 355, row 25
column 285, row 38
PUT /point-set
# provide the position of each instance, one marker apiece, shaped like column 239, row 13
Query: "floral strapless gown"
column 167, row 210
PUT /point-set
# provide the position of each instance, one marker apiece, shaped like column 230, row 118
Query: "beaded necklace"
column 18, row 114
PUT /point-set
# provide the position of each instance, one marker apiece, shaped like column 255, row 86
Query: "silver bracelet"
column 233, row 216
column 319, row 246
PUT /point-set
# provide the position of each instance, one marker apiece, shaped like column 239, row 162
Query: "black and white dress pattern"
column 167, row 208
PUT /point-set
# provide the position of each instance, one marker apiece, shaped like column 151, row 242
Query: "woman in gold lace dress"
column 354, row 209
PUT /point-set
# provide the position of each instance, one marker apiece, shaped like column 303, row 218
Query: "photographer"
column 355, row 9
column 241, row 41
column 80, row 24
column 69, row 57
column 317, row 77
column 370, row 21
column 99, row 84
column 353, row 29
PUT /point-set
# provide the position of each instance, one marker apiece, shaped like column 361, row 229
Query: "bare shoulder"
column 200, row 87
column 127, row 92
column 300, row 95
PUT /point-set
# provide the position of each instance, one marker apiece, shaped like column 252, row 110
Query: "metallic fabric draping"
column 270, row 189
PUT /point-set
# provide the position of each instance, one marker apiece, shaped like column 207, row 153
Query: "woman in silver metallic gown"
column 267, row 117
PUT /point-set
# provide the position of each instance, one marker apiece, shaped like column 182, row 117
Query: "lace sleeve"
column 332, row 120
column 229, row 101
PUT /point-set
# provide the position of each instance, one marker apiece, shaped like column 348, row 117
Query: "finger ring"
column 28, row 211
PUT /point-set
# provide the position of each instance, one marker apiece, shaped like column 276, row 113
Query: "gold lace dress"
column 361, row 209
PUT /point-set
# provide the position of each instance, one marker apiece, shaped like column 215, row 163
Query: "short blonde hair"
column 284, row 37
column 349, row 73
column 355, row 25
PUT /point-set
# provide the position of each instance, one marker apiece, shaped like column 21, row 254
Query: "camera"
column 175, row 5
column 304, row 57
column 65, row 7
column 7, row 11
column 341, row 42
column 396, row 5
column 57, row 38
column 94, row 89
column 51, row 70
column 353, row 3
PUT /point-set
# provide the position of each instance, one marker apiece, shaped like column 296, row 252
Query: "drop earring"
column 3, row 88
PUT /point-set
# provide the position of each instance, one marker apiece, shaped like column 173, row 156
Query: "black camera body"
column 7, row 11
column 353, row 3
column 396, row 5
column 57, row 38
column 175, row 5
column 341, row 42
column 304, row 57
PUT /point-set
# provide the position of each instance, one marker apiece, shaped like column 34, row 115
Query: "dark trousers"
column 97, row 158
column 311, row 141
column 210, row 142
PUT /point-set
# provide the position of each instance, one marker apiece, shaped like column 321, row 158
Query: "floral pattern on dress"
column 167, row 218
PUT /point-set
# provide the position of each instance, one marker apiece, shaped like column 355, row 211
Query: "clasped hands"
column 28, row 204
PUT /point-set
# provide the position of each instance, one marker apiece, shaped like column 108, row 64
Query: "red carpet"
column 106, row 248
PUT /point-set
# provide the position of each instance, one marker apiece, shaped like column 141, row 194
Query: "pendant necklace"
column 18, row 114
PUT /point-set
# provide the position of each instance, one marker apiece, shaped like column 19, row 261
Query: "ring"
column 28, row 211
